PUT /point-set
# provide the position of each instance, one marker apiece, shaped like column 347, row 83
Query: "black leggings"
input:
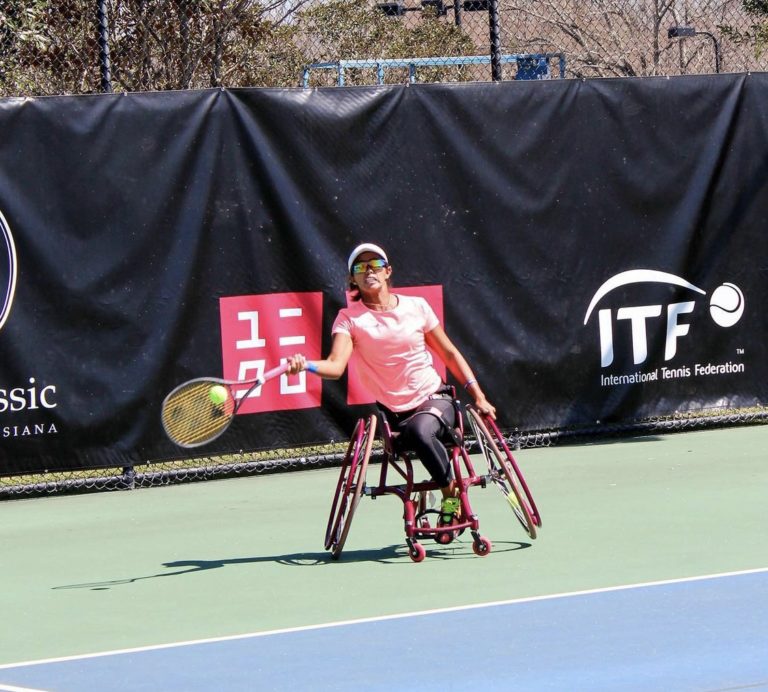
column 423, row 430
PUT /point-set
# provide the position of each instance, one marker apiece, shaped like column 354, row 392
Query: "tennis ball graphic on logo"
column 726, row 305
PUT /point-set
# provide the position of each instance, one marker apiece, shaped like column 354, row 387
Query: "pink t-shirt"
column 392, row 356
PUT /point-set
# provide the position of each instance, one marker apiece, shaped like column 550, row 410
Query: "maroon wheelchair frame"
column 502, row 471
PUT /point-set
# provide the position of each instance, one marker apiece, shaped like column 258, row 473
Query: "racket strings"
column 190, row 417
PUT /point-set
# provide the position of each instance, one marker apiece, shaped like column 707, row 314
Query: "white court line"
column 380, row 618
column 10, row 688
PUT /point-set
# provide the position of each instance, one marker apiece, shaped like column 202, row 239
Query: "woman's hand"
column 296, row 364
column 485, row 407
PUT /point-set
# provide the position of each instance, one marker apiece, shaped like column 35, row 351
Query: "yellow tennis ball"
column 217, row 394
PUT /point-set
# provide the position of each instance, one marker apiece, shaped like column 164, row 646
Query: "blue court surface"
column 705, row 634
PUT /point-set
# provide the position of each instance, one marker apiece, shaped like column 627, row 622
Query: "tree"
column 51, row 46
column 614, row 38
column 48, row 47
column 756, row 36
column 182, row 44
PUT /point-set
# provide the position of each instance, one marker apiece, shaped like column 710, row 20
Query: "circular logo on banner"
column 726, row 305
column 7, row 270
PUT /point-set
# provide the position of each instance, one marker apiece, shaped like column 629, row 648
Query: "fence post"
column 493, row 26
column 106, row 76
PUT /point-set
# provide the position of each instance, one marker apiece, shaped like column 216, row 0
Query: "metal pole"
column 457, row 12
column 106, row 77
column 495, row 36
column 717, row 49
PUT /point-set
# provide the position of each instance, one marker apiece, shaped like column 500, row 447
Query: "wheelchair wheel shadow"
column 393, row 554
column 459, row 549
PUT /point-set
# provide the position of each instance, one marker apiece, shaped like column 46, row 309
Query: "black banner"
column 598, row 248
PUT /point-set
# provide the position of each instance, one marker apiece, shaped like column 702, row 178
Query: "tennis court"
column 650, row 573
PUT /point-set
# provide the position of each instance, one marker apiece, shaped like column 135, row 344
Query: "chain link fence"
column 88, row 46
column 329, row 455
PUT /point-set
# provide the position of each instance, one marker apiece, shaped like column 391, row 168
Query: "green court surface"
column 100, row 572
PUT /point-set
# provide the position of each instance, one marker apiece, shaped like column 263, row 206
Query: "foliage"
column 180, row 44
column 617, row 38
column 756, row 6
column 53, row 46
column 347, row 29
column 757, row 35
column 42, row 43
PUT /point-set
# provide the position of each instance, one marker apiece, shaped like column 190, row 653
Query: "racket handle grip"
column 280, row 369
column 274, row 372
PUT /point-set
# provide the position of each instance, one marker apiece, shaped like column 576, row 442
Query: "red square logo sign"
column 356, row 392
column 259, row 332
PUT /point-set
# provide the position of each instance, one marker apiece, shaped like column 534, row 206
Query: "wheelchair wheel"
column 351, row 484
column 504, row 472
column 482, row 546
column 417, row 552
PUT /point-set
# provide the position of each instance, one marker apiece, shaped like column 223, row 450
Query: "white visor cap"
column 365, row 247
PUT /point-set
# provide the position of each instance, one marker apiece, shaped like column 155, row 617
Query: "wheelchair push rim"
column 504, row 472
column 350, row 486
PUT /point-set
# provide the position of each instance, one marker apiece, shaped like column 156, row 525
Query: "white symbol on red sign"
column 357, row 393
column 259, row 332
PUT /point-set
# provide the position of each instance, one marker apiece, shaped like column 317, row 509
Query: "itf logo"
column 8, row 270
column 726, row 306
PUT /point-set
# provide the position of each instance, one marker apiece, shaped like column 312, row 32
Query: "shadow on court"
column 389, row 555
column 619, row 440
column 615, row 513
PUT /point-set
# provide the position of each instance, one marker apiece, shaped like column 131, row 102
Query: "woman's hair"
column 354, row 291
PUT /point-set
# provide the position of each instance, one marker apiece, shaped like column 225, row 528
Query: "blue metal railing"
column 529, row 65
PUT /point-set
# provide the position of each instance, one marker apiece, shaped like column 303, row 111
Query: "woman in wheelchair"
column 390, row 334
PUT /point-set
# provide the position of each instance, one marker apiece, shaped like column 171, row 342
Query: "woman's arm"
column 330, row 368
column 439, row 342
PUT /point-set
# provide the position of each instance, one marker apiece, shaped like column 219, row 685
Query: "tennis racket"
column 200, row 410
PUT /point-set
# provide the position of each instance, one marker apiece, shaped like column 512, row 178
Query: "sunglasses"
column 375, row 264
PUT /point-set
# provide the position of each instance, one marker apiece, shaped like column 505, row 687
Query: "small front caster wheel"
column 482, row 546
column 417, row 552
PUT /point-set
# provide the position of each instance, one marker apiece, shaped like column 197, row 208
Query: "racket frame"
column 231, row 385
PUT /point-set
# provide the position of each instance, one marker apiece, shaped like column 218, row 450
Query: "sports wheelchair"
column 500, row 470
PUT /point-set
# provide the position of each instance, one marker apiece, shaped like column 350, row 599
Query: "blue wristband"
column 311, row 367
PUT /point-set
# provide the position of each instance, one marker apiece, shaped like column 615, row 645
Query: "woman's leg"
column 423, row 432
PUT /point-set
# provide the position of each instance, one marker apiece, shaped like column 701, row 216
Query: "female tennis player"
column 390, row 334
